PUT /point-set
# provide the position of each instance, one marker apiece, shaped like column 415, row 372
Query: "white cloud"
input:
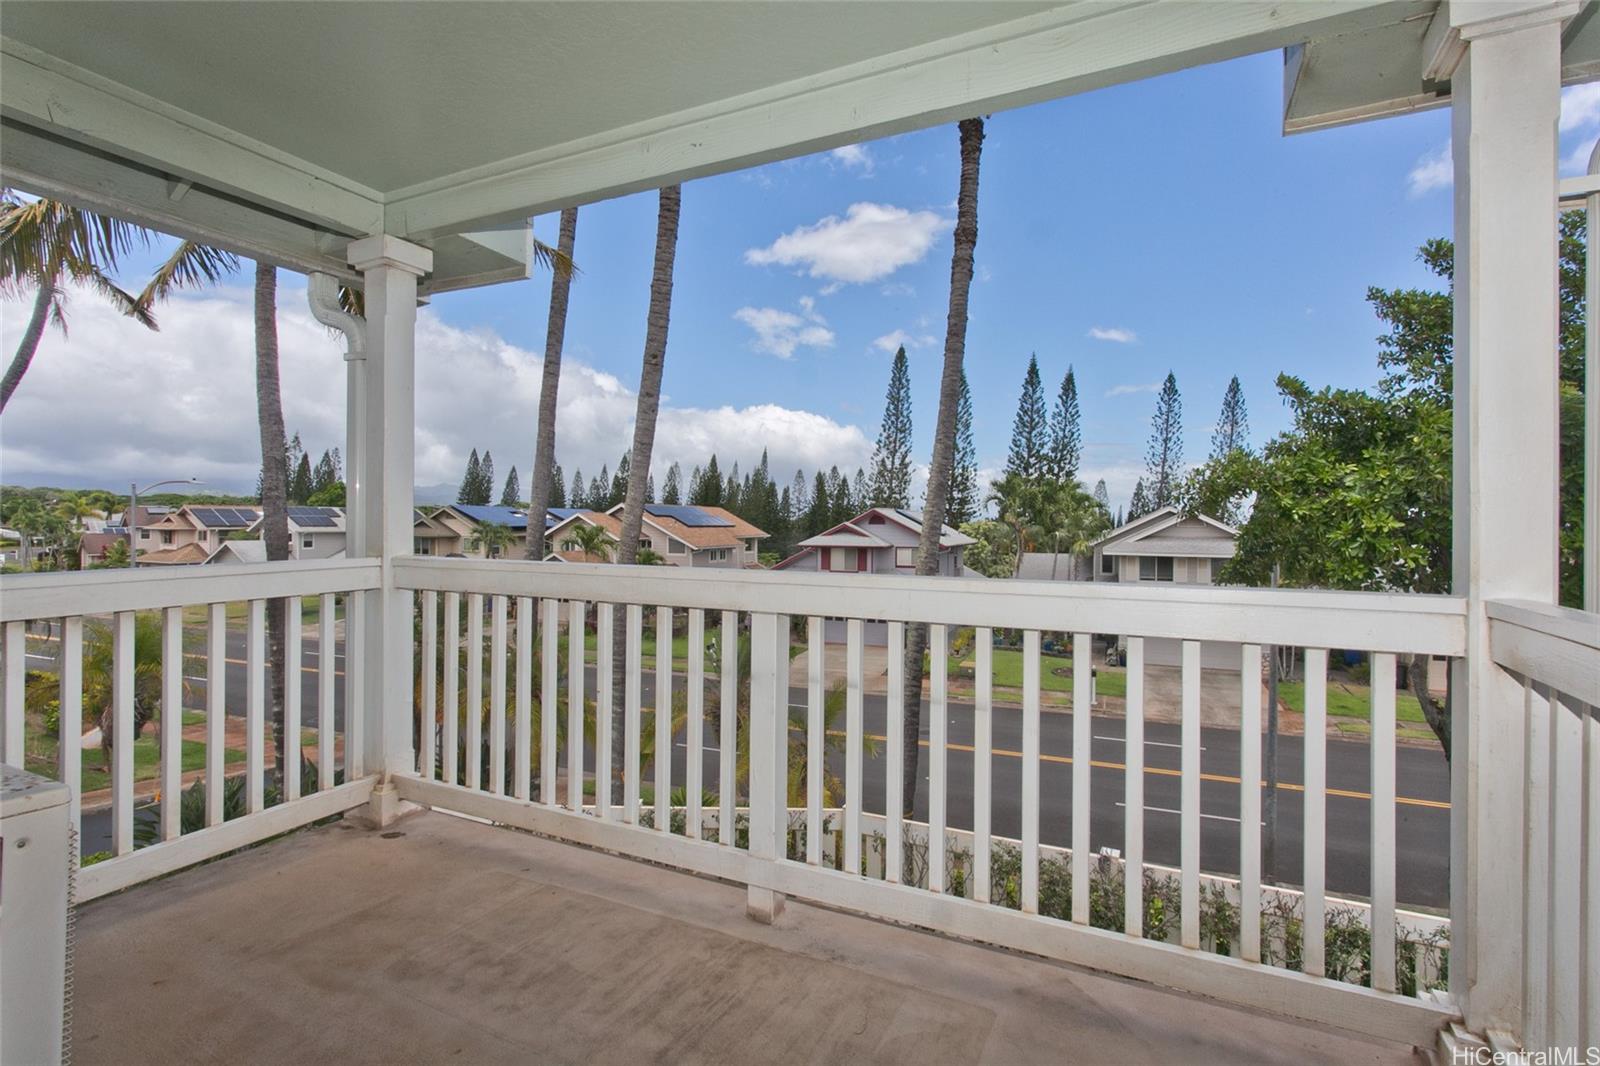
column 872, row 241
column 854, row 157
column 898, row 288
column 894, row 339
column 116, row 403
column 1580, row 106
column 1577, row 160
column 1113, row 333
column 1128, row 390
column 779, row 332
column 1434, row 170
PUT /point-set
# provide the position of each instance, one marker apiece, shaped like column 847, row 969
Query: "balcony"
column 505, row 639
column 1062, row 882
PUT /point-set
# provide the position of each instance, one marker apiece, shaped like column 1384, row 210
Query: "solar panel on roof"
column 314, row 517
column 693, row 517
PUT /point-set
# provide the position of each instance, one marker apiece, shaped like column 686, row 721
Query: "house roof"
column 188, row 553
column 844, row 536
column 240, row 551
column 713, row 527
column 1169, row 531
column 1045, row 566
column 311, row 520
column 515, row 518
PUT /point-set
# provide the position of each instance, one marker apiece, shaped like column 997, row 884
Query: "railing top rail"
column 1555, row 646
column 61, row 594
column 1370, row 621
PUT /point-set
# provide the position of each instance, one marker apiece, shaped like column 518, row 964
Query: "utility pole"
column 1270, row 805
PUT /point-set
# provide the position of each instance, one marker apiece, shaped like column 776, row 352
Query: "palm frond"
column 554, row 259
column 134, row 307
column 47, row 239
column 191, row 265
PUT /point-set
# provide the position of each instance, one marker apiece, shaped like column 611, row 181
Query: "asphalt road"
column 1422, row 816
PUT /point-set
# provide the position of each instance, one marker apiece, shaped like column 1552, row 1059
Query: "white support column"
column 769, row 739
column 380, row 460
column 1506, row 100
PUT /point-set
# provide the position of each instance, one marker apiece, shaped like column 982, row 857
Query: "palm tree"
column 644, row 426
column 593, row 541
column 944, row 435
column 544, row 450
column 274, row 480
column 45, row 244
column 98, row 675
column 492, row 538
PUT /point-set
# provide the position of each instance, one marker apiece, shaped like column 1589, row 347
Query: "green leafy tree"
column 595, row 543
column 332, row 495
column 483, row 488
column 1233, row 424
column 469, row 482
column 1101, row 496
column 707, row 489
column 1164, row 456
column 819, row 515
column 995, row 553
column 300, row 482
column 511, row 495
column 579, row 496
column 1066, row 433
column 1030, row 441
column 1139, row 504
column 558, row 489
column 891, row 459
column 965, row 500
column 492, row 539
column 672, row 492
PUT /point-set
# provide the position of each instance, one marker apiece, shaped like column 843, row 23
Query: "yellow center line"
column 1226, row 779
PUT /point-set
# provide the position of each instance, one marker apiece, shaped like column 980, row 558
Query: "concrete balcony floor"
column 448, row 940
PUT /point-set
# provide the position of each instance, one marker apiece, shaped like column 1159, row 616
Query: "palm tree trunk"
column 644, row 426
column 274, row 484
column 30, row 336
column 544, row 451
column 944, row 438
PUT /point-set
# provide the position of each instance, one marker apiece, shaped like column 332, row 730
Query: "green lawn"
column 1055, row 673
column 1349, row 700
column 647, row 648
column 146, row 760
column 237, row 612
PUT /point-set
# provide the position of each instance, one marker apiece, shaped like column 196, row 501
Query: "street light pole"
column 132, row 521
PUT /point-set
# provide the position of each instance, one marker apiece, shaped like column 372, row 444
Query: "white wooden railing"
column 759, row 607
column 50, row 612
column 1556, row 654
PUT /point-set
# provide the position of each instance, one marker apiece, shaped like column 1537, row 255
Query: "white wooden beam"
column 1506, row 106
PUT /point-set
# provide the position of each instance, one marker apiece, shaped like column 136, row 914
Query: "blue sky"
column 1170, row 216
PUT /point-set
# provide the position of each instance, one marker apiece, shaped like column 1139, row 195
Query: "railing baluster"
column 1565, row 906
column 1082, row 757
column 1133, row 794
column 549, row 701
column 1589, row 965
column 982, row 758
column 728, row 741
column 1030, row 771
column 1250, row 803
column 938, row 750
column 293, row 680
column 769, row 698
column 1381, row 746
column 854, row 796
column 16, row 707
column 450, row 738
column 171, row 784
column 497, row 695
column 1535, row 861
column 70, row 750
column 522, row 753
column 1312, row 951
column 663, row 759
column 1189, row 844
column 632, row 658
column 693, row 759
column 814, row 738
column 576, row 611
column 216, row 709
column 255, row 712
column 894, row 767
column 430, row 680
column 122, row 711
column 604, row 618
column 355, row 658
column 474, row 738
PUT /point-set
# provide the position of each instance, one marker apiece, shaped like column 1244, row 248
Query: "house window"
column 1108, row 564
column 676, row 547
column 204, row 535
column 717, row 555
column 1155, row 568
column 750, row 544
column 166, row 536
column 144, row 534
column 419, row 546
column 905, row 558
column 843, row 560
column 305, row 540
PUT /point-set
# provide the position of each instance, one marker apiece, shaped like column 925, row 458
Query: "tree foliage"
column 1066, row 433
column 1030, row 441
column 891, row 459
column 1164, row 456
column 965, row 502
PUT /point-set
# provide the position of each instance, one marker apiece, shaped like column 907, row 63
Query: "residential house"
column 167, row 540
column 691, row 536
column 92, row 546
column 314, row 532
column 880, row 540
